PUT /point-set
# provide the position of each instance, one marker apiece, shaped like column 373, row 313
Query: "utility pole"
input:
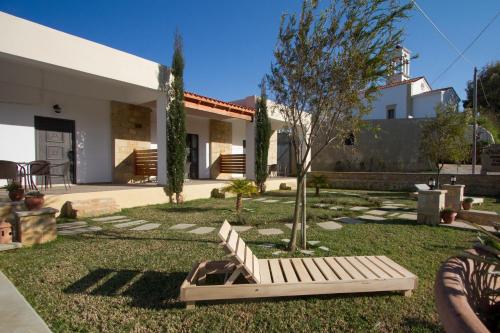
column 474, row 130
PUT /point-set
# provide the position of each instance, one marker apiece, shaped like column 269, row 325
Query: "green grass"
column 125, row 281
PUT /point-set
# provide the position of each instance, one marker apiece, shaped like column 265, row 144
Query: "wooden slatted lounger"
column 249, row 277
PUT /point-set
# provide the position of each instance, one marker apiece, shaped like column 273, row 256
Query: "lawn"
column 128, row 281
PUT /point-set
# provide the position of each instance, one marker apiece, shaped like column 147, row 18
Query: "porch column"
column 161, row 138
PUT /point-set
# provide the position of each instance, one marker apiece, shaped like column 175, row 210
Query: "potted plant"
column 318, row 181
column 16, row 191
column 448, row 215
column 467, row 203
column 34, row 200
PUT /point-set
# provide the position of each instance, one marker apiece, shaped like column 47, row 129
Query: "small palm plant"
column 240, row 187
column 318, row 181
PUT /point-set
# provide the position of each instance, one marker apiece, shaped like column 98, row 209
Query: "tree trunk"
column 317, row 191
column 438, row 186
column 238, row 203
column 296, row 216
column 179, row 198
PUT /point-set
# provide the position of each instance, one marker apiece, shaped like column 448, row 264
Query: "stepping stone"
column 407, row 216
column 319, row 205
column 299, row 226
column 390, row 207
column 148, row 226
column 393, row 214
column 349, row 220
column 324, row 248
column 271, row 231
column 129, row 224
column 249, row 210
column 202, row 230
column 182, row 226
column 330, row 225
column 308, row 252
column 398, row 205
column 71, row 225
column 10, row 246
column 335, row 208
column 387, row 202
column 271, row 201
column 289, row 202
column 277, row 253
column 78, row 231
column 358, row 208
column 373, row 218
column 267, row 246
column 313, row 242
column 285, row 240
column 260, row 199
column 241, row 228
column 376, row 212
column 245, row 199
column 109, row 218
column 118, row 221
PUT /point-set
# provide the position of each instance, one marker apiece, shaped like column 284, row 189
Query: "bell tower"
column 400, row 64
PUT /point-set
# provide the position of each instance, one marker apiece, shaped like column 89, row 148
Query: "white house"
column 405, row 97
column 67, row 99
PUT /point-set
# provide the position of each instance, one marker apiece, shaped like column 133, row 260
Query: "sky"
column 228, row 44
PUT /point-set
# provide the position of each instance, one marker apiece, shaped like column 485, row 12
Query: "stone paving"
column 289, row 202
column 358, row 208
column 75, row 228
column 147, row 226
column 308, row 252
column 129, row 224
column 270, row 231
column 117, row 221
column 330, row 225
column 182, row 226
column 202, row 230
column 408, row 216
column 377, row 212
column 10, row 246
column 372, row 218
column 241, row 228
column 349, row 220
column 299, row 226
column 313, row 242
column 109, row 218
column 324, row 248
column 270, row 201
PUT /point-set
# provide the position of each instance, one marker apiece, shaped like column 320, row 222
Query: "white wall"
column 397, row 96
column 424, row 105
column 200, row 126
column 419, row 86
column 92, row 125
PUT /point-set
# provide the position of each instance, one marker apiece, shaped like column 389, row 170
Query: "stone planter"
column 34, row 202
column 448, row 217
column 461, row 291
column 467, row 205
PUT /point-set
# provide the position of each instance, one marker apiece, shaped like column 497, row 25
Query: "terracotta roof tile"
column 395, row 84
column 218, row 103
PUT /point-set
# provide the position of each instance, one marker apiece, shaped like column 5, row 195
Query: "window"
column 391, row 113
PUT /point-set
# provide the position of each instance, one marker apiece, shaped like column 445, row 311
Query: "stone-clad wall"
column 395, row 181
column 130, row 129
column 272, row 157
column 221, row 135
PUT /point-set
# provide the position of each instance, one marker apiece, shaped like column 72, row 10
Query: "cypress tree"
column 176, row 125
column 262, row 137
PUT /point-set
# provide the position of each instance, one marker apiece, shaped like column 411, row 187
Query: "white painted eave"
column 32, row 41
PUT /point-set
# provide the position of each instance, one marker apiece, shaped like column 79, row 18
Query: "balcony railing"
column 146, row 162
column 233, row 163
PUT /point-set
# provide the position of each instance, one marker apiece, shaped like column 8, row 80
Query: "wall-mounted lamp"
column 56, row 108
column 431, row 183
column 453, row 180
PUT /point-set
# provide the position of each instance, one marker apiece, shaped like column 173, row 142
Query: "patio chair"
column 61, row 170
column 273, row 170
column 8, row 170
column 40, row 169
column 246, row 276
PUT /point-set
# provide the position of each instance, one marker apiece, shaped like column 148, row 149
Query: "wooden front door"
column 192, row 155
column 55, row 143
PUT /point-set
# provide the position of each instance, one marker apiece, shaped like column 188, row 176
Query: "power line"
column 439, row 31
column 468, row 47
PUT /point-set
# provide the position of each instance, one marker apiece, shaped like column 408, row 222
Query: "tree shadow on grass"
column 145, row 289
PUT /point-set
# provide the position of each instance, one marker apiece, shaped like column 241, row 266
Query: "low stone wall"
column 488, row 185
column 481, row 217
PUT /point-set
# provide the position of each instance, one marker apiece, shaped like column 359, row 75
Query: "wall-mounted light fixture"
column 56, row 108
column 453, row 180
column 431, row 183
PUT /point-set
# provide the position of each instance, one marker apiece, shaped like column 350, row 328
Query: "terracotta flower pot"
column 16, row 195
column 466, row 205
column 448, row 217
column 34, row 202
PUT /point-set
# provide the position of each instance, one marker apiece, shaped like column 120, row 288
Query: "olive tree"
column 327, row 64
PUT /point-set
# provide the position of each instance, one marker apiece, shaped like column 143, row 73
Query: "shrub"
column 217, row 194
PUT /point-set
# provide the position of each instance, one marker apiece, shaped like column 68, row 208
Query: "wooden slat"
column 256, row 268
column 265, row 274
column 249, row 260
column 396, row 266
column 339, row 271
column 232, row 242
column 240, row 250
column 374, row 268
column 386, row 268
column 233, row 163
column 301, row 270
column 313, row 270
column 288, row 270
column 362, row 268
column 224, row 231
column 325, row 269
column 276, row 273
column 353, row 272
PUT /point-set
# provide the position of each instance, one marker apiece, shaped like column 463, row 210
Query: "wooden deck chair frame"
column 246, row 276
